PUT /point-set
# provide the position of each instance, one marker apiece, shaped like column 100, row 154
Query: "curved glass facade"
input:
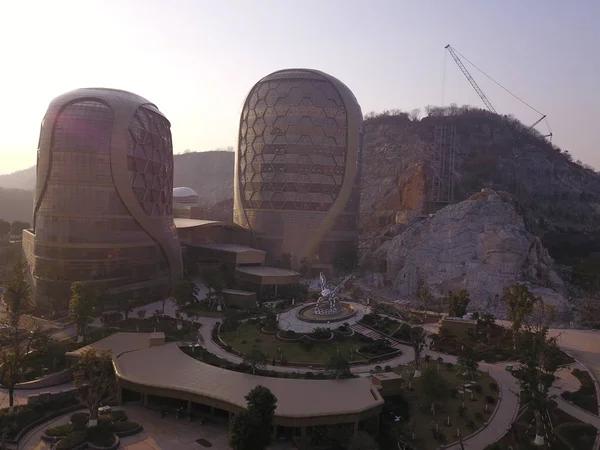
column 91, row 222
column 298, row 165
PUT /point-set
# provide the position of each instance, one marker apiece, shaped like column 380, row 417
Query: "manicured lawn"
column 414, row 406
column 569, row 433
column 585, row 396
column 249, row 336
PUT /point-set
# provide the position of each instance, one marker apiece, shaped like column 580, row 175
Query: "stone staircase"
column 374, row 334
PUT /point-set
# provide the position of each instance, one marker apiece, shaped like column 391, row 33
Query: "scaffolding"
column 442, row 182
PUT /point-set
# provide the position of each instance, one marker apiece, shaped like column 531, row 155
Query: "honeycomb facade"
column 297, row 174
column 103, row 199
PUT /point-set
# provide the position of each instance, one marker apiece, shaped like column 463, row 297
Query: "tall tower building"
column 297, row 170
column 103, row 198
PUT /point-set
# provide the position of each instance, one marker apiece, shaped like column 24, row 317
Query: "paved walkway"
column 167, row 433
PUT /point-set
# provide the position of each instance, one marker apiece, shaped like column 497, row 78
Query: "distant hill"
column 16, row 204
column 210, row 174
column 21, row 179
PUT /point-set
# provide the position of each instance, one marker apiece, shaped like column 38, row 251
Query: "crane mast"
column 464, row 70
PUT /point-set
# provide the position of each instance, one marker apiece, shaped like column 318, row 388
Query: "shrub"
column 377, row 369
column 470, row 423
column 309, row 375
column 462, row 410
column 288, row 334
column 73, row 440
column 449, row 365
column 101, row 436
column 427, row 358
column 60, row 430
column 478, row 416
column 118, row 415
column 491, row 400
column 258, row 340
column 494, row 386
column 454, row 393
column 125, row 426
column 79, row 420
column 243, row 341
column 388, row 368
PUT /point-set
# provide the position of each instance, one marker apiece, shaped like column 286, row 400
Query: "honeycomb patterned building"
column 103, row 199
column 297, row 172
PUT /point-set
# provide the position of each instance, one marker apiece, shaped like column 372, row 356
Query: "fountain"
column 328, row 307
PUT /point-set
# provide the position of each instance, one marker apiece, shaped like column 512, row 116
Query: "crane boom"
column 471, row 80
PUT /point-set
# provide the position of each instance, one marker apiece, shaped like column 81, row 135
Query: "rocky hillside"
column 559, row 199
column 480, row 244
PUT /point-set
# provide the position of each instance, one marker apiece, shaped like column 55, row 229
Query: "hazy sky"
column 197, row 59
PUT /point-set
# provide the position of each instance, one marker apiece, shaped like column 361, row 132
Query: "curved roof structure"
column 295, row 398
column 181, row 192
column 181, row 376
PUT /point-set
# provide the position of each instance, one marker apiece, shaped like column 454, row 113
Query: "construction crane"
column 456, row 56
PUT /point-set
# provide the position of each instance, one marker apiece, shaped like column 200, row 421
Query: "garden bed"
column 466, row 410
column 585, row 397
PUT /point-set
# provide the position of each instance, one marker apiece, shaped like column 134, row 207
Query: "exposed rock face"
column 560, row 199
column 480, row 244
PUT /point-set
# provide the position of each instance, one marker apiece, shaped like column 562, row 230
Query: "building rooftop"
column 184, row 192
column 192, row 223
column 167, row 367
column 117, row 343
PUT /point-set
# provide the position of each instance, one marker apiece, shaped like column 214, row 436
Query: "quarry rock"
column 480, row 244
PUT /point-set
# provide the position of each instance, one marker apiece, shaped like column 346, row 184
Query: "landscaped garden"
column 293, row 347
column 490, row 343
column 567, row 433
column 585, row 397
column 104, row 434
column 440, row 406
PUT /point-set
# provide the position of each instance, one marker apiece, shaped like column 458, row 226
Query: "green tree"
column 4, row 229
column 94, row 380
column 255, row 358
column 214, row 280
column 417, row 340
column 17, row 227
column 467, row 360
column 520, row 303
column 184, row 293
column 285, row 261
column 251, row 429
column 540, row 358
column 338, row 365
column 589, row 314
column 124, row 303
column 17, row 299
column 432, row 385
column 586, row 275
column 345, row 258
column 457, row 302
column 363, row 441
column 242, row 431
column 83, row 299
column 425, row 296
